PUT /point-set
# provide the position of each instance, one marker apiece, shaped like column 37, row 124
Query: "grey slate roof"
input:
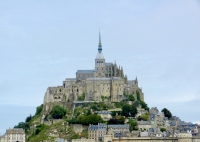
column 109, row 64
column 143, row 122
column 114, row 78
column 100, row 126
column 122, row 126
column 85, row 71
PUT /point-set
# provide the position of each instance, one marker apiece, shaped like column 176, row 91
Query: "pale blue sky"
column 44, row 42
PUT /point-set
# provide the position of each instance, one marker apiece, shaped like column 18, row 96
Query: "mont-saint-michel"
column 106, row 81
column 100, row 105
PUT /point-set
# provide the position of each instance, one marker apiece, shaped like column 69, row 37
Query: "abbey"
column 107, row 80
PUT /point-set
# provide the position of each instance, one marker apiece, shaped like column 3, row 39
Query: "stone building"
column 105, row 80
column 13, row 135
column 97, row 132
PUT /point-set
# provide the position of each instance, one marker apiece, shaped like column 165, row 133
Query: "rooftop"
column 85, row 71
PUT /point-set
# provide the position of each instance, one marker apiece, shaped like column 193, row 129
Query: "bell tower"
column 100, row 61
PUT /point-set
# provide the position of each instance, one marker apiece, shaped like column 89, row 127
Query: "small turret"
column 136, row 81
column 125, row 80
column 122, row 73
column 115, row 69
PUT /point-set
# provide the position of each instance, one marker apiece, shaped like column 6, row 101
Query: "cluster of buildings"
column 171, row 127
column 98, row 132
column 157, row 126
column 13, row 135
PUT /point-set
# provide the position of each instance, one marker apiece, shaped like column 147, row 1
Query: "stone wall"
column 83, row 140
column 78, row 128
column 151, row 139
column 195, row 139
column 142, row 139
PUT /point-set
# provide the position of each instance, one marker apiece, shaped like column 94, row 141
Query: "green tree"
column 88, row 112
column 57, row 112
column 90, row 119
column 129, row 110
column 82, row 97
column 133, row 110
column 39, row 109
column 23, row 125
column 133, row 125
column 28, row 118
column 73, row 121
column 102, row 105
column 162, row 129
column 167, row 113
column 120, row 119
column 131, row 98
column 144, row 105
column 102, row 98
column 144, row 117
column 94, row 107
column 126, row 110
column 138, row 95
column 113, row 121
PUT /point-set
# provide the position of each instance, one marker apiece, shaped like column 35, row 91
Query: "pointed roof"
column 99, row 46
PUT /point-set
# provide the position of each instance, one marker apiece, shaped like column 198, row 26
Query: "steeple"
column 99, row 46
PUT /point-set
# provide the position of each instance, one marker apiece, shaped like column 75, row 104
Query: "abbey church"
column 107, row 80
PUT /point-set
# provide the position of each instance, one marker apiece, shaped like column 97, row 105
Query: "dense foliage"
column 117, row 120
column 57, row 112
column 82, row 97
column 39, row 109
column 86, row 120
column 138, row 95
column 167, row 113
column 131, row 98
column 129, row 110
column 94, row 107
column 132, row 125
column 144, row 117
column 28, row 119
column 162, row 129
column 23, row 125
column 144, row 105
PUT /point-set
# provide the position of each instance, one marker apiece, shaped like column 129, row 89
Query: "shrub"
column 129, row 110
column 39, row 109
column 23, row 125
column 94, row 107
column 138, row 95
column 90, row 119
column 57, row 112
column 133, row 125
column 144, row 117
column 162, row 129
column 82, row 97
column 144, row 105
column 167, row 113
column 131, row 98
column 28, row 118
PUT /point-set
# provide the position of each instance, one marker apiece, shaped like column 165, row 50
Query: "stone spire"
column 99, row 46
column 125, row 79
column 136, row 81
column 122, row 72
